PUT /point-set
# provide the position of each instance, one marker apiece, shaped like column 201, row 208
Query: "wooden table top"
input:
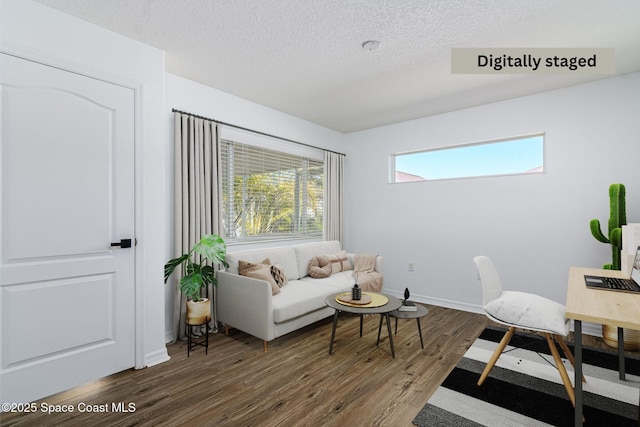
column 621, row 309
column 393, row 304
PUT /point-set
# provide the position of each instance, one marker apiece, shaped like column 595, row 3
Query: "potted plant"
column 617, row 218
column 198, row 271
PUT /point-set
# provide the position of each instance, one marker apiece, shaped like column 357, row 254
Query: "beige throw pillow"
column 322, row 266
column 277, row 271
column 260, row 271
column 319, row 267
column 339, row 262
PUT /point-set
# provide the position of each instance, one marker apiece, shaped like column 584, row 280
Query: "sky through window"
column 506, row 157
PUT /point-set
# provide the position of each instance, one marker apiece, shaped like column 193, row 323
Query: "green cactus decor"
column 617, row 219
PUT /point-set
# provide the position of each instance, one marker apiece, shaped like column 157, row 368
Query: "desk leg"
column 621, row 369
column 420, row 332
column 393, row 352
column 333, row 331
column 577, row 354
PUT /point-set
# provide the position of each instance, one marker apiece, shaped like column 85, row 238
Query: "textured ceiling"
column 304, row 57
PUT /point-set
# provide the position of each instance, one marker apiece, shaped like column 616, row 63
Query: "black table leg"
column 419, row 332
column 361, row 316
column 621, row 368
column 379, row 329
column 333, row 331
column 188, row 340
column 577, row 335
column 393, row 352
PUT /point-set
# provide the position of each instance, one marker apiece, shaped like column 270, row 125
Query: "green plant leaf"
column 172, row 264
column 190, row 286
column 192, row 268
column 213, row 248
column 208, row 275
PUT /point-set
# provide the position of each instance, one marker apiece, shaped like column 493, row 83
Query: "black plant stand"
column 192, row 343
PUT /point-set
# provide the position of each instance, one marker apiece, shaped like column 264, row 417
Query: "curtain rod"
column 254, row 131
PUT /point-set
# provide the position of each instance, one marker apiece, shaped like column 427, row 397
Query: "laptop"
column 613, row 284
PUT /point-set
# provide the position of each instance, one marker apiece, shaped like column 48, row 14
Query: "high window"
column 269, row 193
column 520, row 155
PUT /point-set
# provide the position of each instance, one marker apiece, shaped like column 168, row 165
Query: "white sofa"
column 247, row 304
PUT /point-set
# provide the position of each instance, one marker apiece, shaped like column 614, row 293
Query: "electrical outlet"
column 410, row 266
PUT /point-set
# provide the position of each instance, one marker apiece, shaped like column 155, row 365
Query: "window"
column 521, row 155
column 269, row 194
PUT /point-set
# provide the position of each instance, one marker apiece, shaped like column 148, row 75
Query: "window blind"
column 269, row 194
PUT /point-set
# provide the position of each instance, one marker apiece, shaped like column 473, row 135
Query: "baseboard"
column 440, row 302
column 156, row 357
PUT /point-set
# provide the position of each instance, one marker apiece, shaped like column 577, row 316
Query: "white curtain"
column 333, row 195
column 196, row 198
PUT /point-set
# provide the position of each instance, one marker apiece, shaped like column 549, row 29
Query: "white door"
column 67, row 193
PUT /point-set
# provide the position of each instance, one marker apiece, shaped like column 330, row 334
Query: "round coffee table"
column 417, row 314
column 391, row 304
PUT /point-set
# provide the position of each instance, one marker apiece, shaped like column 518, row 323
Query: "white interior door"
column 67, row 193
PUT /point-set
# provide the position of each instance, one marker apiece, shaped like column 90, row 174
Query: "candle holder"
column 356, row 292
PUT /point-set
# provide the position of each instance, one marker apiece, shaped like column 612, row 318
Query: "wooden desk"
column 620, row 309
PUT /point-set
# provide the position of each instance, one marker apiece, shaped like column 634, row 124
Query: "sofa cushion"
column 304, row 252
column 284, row 256
column 337, row 282
column 529, row 311
column 302, row 296
column 260, row 271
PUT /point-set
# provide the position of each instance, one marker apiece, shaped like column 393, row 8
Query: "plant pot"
column 631, row 337
column 198, row 312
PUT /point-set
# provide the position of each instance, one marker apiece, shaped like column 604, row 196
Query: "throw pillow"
column 260, row 271
column 244, row 266
column 319, row 267
column 277, row 271
column 339, row 262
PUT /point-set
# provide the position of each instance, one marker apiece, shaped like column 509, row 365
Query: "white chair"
column 525, row 311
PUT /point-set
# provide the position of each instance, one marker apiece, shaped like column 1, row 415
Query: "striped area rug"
column 525, row 389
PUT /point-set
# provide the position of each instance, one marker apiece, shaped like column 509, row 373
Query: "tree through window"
column 268, row 194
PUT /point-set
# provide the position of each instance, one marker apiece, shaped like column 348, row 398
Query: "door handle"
column 123, row 243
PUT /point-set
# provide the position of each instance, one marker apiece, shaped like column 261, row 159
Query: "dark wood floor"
column 295, row 383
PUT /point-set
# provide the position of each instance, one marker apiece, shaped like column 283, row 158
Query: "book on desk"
column 408, row 306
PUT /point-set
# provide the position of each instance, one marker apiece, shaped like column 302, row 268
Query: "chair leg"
column 265, row 346
column 496, row 354
column 567, row 353
column 563, row 372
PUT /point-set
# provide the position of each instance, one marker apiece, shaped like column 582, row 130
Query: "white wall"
column 533, row 226
column 192, row 97
column 42, row 34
